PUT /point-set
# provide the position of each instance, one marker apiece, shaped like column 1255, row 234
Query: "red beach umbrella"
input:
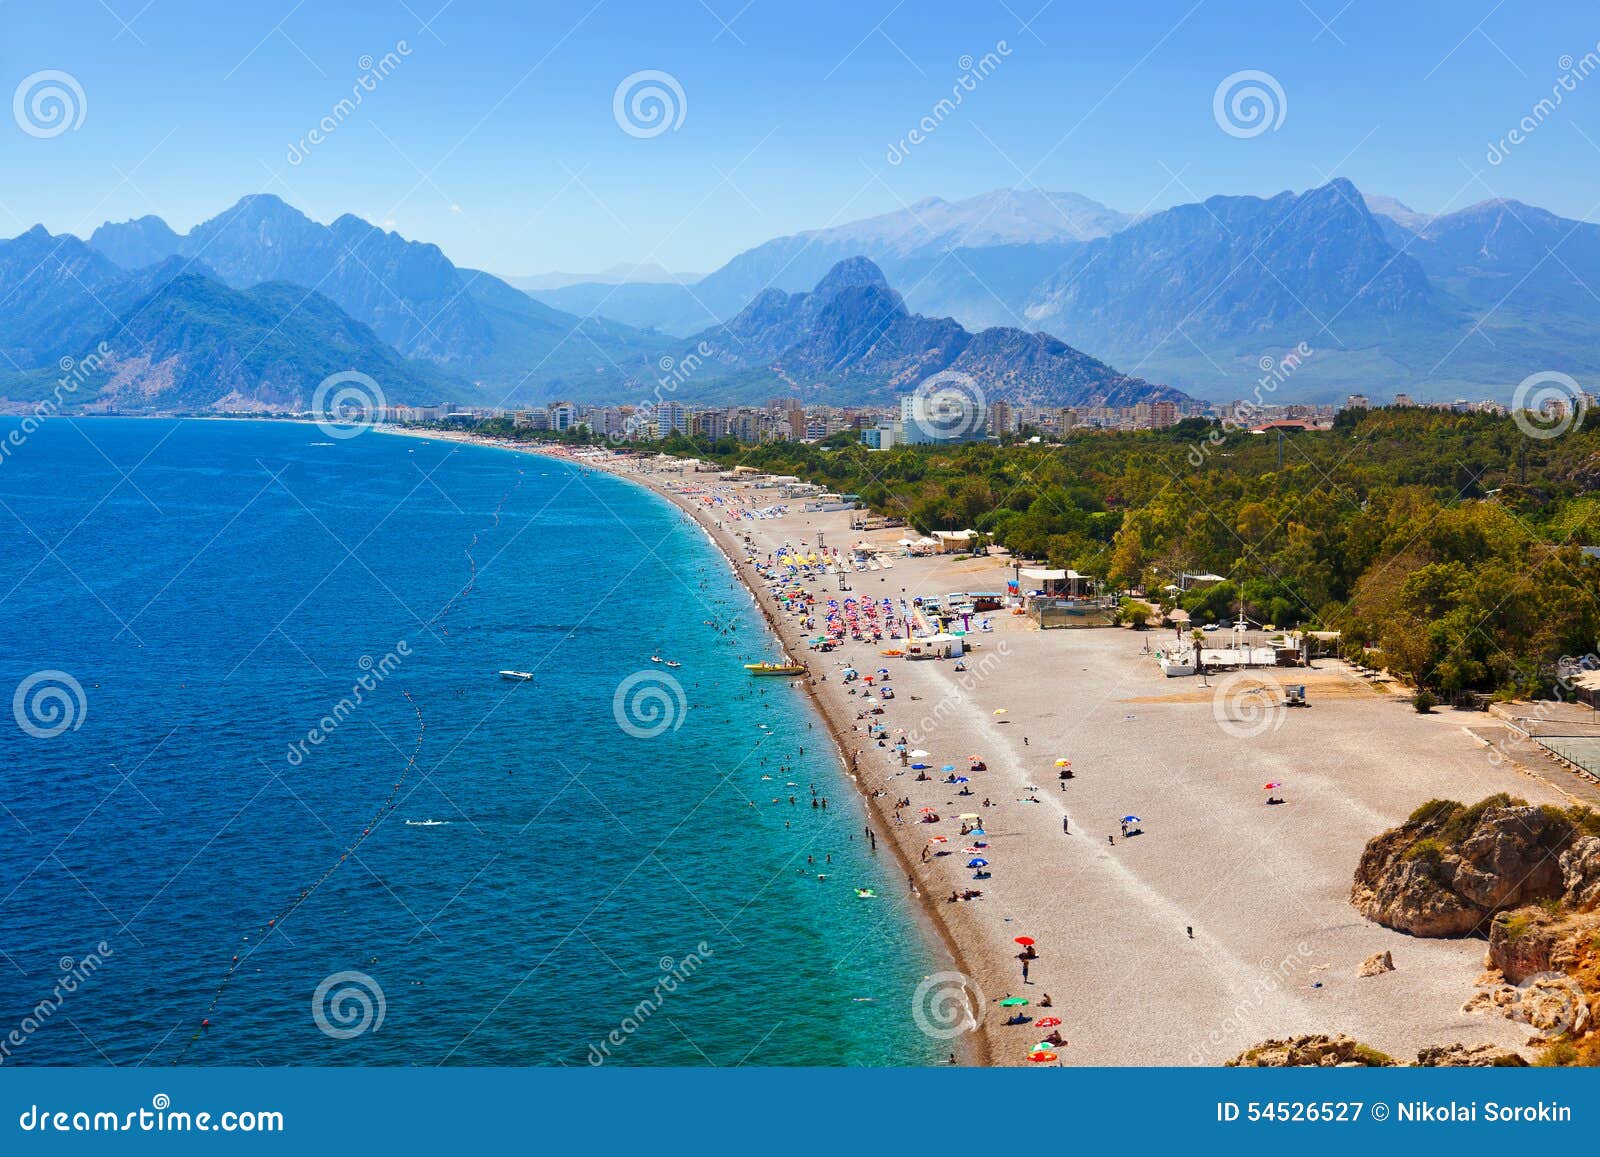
column 1273, row 786
column 1048, row 1022
column 1041, row 1058
column 1025, row 941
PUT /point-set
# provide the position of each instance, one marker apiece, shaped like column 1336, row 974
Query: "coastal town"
column 793, row 419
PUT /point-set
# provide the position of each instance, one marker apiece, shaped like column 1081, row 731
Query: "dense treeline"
column 1450, row 542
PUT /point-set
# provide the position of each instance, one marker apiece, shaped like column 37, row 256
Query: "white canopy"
column 1042, row 574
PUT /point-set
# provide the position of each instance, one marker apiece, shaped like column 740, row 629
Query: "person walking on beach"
column 1024, row 970
column 1190, row 930
column 1066, row 828
column 1112, row 840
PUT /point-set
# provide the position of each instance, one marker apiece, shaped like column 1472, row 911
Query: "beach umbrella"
column 919, row 754
column 1048, row 1022
column 1025, row 941
column 1273, row 786
column 968, row 816
column 1000, row 711
column 973, row 851
column 1014, row 1002
column 920, row 766
column 960, row 778
column 1131, row 820
column 1063, row 763
column 977, row 862
column 977, row 832
column 940, row 840
column 948, row 767
column 927, row 809
column 1042, row 1058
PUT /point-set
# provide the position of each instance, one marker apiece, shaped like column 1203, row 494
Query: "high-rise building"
column 562, row 416
column 940, row 417
column 1002, row 419
column 711, row 424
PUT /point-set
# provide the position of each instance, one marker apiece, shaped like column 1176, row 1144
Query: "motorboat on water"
column 775, row 668
column 517, row 676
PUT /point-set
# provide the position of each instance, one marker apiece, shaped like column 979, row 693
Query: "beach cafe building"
column 954, row 541
column 1051, row 583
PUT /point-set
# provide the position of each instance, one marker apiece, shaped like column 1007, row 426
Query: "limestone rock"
column 1471, row 1056
column 1580, row 865
column 1318, row 1050
column 1377, row 964
column 1450, row 867
column 1536, row 940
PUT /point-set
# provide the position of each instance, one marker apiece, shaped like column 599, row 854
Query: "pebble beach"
column 1212, row 923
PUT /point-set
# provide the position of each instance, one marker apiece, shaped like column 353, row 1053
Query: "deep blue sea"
column 186, row 776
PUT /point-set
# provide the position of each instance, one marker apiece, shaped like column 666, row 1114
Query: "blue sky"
column 495, row 137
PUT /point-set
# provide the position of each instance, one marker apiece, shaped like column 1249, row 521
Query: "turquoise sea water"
column 217, row 589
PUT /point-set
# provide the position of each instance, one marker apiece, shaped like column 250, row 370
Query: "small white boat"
column 673, row 663
column 656, row 659
column 517, row 676
column 426, row 823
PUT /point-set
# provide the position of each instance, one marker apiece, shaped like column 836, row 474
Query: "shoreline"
column 974, row 1048
column 976, row 1045
column 1217, row 925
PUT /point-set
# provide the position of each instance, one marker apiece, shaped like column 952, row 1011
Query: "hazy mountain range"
column 646, row 273
column 852, row 338
column 1389, row 299
column 255, row 307
column 1037, row 295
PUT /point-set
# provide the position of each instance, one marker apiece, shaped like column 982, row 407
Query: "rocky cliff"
column 1528, row 877
column 1323, row 1051
column 1451, row 867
